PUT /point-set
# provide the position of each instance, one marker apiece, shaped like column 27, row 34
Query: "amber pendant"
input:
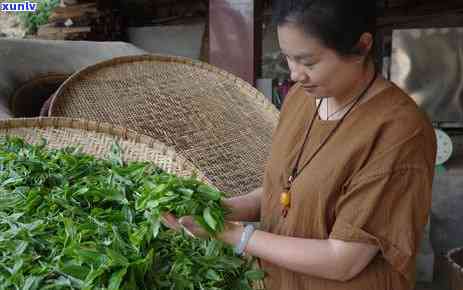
column 285, row 198
column 285, row 201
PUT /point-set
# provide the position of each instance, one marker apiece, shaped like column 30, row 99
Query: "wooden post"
column 235, row 37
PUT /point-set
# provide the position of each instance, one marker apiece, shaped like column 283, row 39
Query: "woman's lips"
column 309, row 88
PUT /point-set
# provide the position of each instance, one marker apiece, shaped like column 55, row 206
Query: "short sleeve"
column 389, row 209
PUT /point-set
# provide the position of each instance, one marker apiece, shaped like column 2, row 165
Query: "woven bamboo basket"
column 217, row 121
column 29, row 98
column 96, row 138
column 455, row 268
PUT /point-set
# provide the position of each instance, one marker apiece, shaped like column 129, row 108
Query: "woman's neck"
column 333, row 108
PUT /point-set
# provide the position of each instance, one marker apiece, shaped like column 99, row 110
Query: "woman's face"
column 322, row 72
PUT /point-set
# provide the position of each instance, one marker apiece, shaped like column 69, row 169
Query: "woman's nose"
column 297, row 72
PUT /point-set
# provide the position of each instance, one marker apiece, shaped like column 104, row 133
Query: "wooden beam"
column 420, row 9
column 423, row 21
column 89, row 7
column 48, row 31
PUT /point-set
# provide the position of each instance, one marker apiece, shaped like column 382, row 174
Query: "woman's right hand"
column 245, row 207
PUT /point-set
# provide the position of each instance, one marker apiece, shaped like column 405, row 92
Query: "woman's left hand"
column 186, row 223
column 230, row 235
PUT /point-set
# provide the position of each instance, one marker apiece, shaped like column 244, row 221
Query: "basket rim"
column 37, row 80
column 451, row 261
column 75, row 123
column 87, row 125
column 123, row 133
column 244, row 86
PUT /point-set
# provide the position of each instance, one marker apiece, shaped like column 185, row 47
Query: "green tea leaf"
column 32, row 283
column 116, row 259
column 71, row 221
column 116, row 279
column 209, row 192
column 209, row 219
column 212, row 275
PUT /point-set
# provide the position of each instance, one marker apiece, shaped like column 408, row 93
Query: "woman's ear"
column 365, row 44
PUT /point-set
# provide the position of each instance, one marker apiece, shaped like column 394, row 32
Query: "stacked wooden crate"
column 82, row 20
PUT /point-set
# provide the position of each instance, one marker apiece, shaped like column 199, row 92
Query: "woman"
column 347, row 188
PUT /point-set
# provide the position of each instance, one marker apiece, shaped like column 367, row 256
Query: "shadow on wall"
column 178, row 40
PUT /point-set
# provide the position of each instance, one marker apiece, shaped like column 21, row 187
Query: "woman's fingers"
column 189, row 225
column 170, row 221
column 186, row 223
column 192, row 228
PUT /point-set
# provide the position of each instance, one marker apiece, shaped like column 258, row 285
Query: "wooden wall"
column 403, row 14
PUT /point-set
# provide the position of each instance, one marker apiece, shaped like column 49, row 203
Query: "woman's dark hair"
column 338, row 24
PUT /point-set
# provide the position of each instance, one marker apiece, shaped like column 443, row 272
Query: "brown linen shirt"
column 370, row 183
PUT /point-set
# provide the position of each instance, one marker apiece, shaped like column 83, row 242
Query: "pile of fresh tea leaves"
column 71, row 221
